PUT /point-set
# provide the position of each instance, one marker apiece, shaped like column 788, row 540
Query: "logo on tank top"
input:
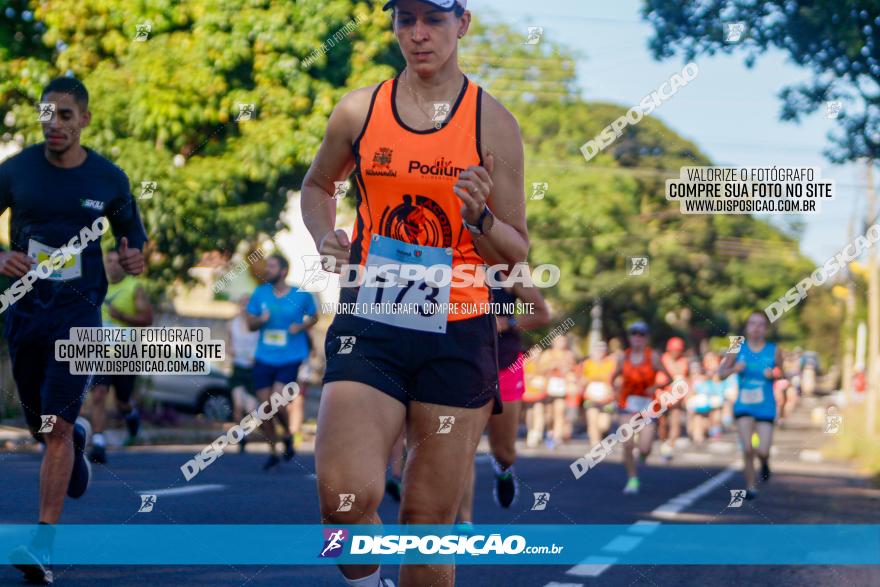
column 440, row 168
column 422, row 222
column 382, row 163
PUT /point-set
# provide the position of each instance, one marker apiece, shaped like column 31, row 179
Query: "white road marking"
column 592, row 566
column 644, row 527
column 671, row 508
column 622, row 544
column 183, row 490
column 555, row 584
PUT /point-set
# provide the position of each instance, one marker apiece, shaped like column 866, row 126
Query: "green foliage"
column 177, row 94
column 837, row 40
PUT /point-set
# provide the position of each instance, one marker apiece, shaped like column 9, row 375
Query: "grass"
column 853, row 443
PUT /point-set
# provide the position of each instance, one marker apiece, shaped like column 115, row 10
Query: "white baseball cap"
column 446, row 5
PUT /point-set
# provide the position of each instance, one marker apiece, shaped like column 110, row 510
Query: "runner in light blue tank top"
column 755, row 397
column 756, row 364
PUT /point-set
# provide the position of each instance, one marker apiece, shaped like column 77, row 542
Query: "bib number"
column 275, row 337
column 396, row 293
column 751, row 395
column 556, row 387
column 71, row 269
column 598, row 391
column 637, row 403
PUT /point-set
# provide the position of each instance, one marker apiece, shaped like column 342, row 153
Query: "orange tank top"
column 405, row 180
column 637, row 378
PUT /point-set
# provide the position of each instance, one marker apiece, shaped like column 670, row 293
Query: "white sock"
column 98, row 439
column 368, row 581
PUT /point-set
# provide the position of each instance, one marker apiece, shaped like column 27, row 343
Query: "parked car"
column 199, row 394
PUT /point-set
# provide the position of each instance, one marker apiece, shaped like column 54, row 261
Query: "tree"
column 165, row 108
column 839, row 41
column 595, row 216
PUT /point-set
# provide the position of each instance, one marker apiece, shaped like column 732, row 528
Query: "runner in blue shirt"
column 756, row 364
column 282, row 315
column 61, row 195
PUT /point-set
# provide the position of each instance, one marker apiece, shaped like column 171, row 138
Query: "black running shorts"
column 458, row 368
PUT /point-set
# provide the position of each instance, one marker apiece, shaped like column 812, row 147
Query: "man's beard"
column 274, row 280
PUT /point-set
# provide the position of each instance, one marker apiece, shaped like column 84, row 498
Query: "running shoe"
column 632, row 486
column 751, row 494
column 288, row 448
column 34, row 564
column 666, row 451
column 765, row 471
column 550, row 443
column 756, row 440
column 133, row 423
column 81, row 475
column 392, row 488
column 242, row 444
column 98, row 454
column 466, row 528
column 506, row 488
column 272, row 462
column 386, row 582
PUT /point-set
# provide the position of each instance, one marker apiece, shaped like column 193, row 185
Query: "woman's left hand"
column 474, row 186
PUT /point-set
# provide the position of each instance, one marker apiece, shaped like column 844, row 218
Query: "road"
column 803, row 490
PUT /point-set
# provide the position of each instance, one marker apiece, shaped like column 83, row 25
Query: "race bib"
column 556, row 386
column 637, row 403
column 275, row 337
column 701, row 401
column 72, row 268
column 716, row 401
column 751, row 395
column 598, row 391
column 392, row 295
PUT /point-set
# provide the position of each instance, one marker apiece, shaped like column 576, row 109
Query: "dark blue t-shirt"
column 50, row 205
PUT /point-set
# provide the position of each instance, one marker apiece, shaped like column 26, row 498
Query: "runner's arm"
column 12, row 263
column 618, row 371
column 541, row 317
column 124, row 217
column 726, row 368
column 333, row 162
column 311, row 319
column 507, row 240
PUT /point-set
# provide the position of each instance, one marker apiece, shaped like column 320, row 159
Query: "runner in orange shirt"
column 438, row 166
column 635, row 378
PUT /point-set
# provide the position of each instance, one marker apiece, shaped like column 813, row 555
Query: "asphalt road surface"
column 804, row 490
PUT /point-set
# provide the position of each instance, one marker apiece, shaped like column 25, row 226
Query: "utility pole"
column 873, row 313
column 848, row 323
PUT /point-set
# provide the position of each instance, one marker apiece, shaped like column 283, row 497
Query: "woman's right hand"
column 15, row 263
column 335, row 244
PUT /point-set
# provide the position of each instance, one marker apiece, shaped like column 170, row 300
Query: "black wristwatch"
column 477, row 229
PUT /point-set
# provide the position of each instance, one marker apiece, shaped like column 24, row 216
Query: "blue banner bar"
column 637, row 544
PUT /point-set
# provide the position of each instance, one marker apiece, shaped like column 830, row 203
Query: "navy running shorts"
column 458, row 368
column 266, row 375
column 46, row 386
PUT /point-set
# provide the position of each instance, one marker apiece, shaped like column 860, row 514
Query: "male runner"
column 55, row 190
column 282, row 315
column 417, row 370
column 126, row 304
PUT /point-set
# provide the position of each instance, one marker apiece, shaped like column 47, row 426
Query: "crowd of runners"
column 388, row 378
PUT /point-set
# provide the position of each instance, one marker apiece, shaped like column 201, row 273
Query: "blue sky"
column 731, row 112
